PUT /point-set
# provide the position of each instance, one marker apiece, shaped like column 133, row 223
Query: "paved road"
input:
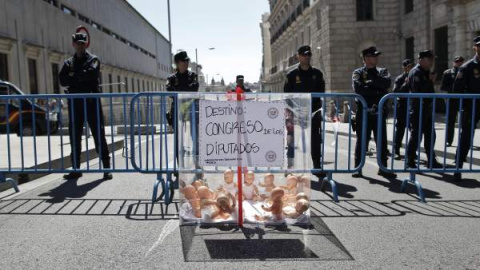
column 96, row 224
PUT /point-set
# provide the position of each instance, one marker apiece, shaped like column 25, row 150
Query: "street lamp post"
column 196, row 60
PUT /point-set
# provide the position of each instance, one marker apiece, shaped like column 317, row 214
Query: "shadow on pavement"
column 129, row 208
column 344, row 190
column 445, row 208
column 395, row 186
column 70, row 189
column 261, row 243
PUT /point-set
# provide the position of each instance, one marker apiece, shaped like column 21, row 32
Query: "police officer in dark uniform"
column 447, row 86
column 80, row 74
column 307, row 79
column 421, row 81
column 183, row 80
column 240, row 83
column 372, row 83
column 468, row 82
column 401, row 86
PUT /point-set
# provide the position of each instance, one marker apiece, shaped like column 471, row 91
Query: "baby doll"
column 206, row 196
column 267, row 186
column 198, row 183
column 250, row 190
column 290, row 189
column 229, row 185
column 225, row 205
column 304, row 184
column 191, row 196
column 276, row 196
column 301, row 206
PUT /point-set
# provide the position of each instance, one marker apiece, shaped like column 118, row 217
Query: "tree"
column 222, row 82
column 213, row 82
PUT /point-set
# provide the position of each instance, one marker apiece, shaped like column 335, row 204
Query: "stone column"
column 460, row 28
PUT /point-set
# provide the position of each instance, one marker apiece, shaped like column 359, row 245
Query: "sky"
column 230, row 26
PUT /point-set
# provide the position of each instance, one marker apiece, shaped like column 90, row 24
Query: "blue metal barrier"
column 33, row 139
column 145, row 158
column 421, row 118
column 150, row 153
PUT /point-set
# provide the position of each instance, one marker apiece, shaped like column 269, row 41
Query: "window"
column 32, row 75
column 408, row 6
column 83, row 18
column 52, row 2
column 364, row 10
column 410, row 48
column 138, row 85
column 119, row 84
column 3, row 67
column 126, row 84
column 143, row 86
column 110, row 81
column 68, row 10
column 133, row 85
column 441, row 50
column 96, row 25
column 56, row 85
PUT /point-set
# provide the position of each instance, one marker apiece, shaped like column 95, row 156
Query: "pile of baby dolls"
column 263, row 202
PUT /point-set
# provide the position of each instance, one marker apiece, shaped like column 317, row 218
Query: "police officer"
column 307, row 79
column 183, row 80
column 447, row 86
column 372, row 83
column 421, row 81
column 468, row 82
column 240, row 83
column 80, row 74
column 401, row 86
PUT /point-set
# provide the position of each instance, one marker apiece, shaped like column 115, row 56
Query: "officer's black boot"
column 385, row 173
column 435, row 164
column 106, row 165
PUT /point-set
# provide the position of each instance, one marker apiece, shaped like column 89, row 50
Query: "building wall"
column 267, row 53
column 337, row 38
column 127, row 45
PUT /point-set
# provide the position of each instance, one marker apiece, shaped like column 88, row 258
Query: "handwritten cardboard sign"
column 249, row 133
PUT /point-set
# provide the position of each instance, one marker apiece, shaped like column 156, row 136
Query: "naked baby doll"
column 267, row 186
column 191, row 196
column 225, row 205
column 250, row 190
column 276, row 197
column 290, row 189
column 228, row 184
column 304, row 184
column 198, row 183
column 301, row 206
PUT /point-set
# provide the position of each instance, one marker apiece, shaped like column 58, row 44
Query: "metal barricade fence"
column 154, row 153
column 419, row 115
column 36, row 132
column 152, row 146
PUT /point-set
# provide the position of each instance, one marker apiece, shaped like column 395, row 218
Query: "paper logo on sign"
column 250, row 133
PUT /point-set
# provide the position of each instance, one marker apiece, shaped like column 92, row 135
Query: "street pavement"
column 95, row 224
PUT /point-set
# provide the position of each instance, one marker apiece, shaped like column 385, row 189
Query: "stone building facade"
column 35, row 39
column 338, row 30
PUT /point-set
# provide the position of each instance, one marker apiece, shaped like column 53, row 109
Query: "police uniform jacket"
column 306, row 81
column 182, row 82
column 401, row 84
column 81, row 74
column 468, row 77
column 448, row 79
column 371, row 83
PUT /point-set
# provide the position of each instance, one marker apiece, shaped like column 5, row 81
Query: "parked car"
column 23, row 114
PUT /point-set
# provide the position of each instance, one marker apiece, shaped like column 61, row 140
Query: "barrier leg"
column 158, row 182
column 332, row 183
column 413, row 179
column 9, row 180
